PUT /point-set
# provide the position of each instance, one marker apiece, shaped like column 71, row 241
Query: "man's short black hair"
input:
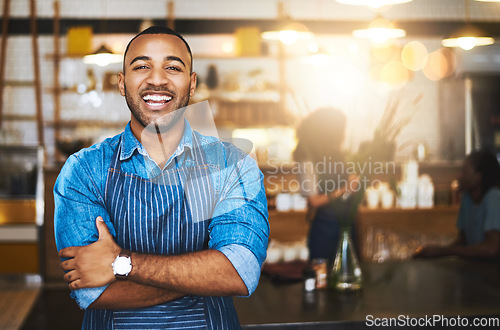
column 485, row 162
column 156, row 29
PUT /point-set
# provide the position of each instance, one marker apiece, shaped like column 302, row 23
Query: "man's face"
column 157, row 80
column 469, row 179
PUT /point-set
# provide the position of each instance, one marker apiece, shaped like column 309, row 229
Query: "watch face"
column 122, row 266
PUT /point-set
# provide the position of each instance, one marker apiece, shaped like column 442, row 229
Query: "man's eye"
column 140, row 67
column 173, row 68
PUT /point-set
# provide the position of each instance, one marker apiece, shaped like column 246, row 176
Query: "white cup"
column 283, row 202
column 372, row 198
column 299, row 203
column 387, row 199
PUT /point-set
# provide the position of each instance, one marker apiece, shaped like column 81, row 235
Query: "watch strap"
column 124, row 253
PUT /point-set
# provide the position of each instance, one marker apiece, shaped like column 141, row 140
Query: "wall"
column 344, row 83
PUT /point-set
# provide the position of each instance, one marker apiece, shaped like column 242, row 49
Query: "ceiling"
column 419, row 18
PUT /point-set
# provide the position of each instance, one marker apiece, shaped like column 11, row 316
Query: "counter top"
column 447, row 287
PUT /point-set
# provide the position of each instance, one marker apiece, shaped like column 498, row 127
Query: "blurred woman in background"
column 323, row 178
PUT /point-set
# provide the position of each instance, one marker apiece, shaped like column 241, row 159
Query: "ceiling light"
column 379, row 31
column 289, row 34
column 102, row 57
column 372, row 3
column 468, row 36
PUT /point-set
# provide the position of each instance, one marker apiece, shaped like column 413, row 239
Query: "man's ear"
column 121, row 83
column 192, row 87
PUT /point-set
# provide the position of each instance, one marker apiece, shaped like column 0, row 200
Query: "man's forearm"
column 472, row 251
column 129, row 294
column 489, row 248
column 207, row 273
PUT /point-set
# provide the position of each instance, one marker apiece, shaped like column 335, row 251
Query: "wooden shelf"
column 233, row 57
column 19, row 83
column 435, row 222
column 63, row 56
column 72, row 90
column 438, row 209
column 75, row 123
column 243, row 113
column 19, row 117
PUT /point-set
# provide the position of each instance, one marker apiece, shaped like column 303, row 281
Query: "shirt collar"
column 130, row 143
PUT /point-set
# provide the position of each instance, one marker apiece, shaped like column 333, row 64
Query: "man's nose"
column 157, row 76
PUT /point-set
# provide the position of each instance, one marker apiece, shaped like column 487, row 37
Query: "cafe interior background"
column 263, row 66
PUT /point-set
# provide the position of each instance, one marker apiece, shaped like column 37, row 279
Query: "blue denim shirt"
column 80, row 188
column 474, row 219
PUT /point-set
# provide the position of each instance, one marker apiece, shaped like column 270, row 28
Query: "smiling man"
column 159, row 226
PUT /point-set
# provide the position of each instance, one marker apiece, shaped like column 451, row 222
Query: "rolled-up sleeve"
column 240, row 227
column 77, row 205
column 245, row 263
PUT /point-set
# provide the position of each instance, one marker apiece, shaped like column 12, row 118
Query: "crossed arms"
column 154, row 279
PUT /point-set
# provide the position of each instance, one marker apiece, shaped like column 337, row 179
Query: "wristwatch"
column 122, row 265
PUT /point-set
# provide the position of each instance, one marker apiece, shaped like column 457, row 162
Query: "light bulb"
column 466, row 43
column 288, row 37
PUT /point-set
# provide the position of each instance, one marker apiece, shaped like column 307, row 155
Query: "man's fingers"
column 69, row 252
column 102, row 228
column 75, row 285
column 69, row 264
column 71, row 276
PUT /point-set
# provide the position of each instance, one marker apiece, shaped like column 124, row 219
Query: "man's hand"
column 90, row 266
column 430, row 252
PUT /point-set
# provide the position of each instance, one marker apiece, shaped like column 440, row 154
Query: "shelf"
column 19, row 117
column 438, row 209
column 68, row 123
column 72, row 90
column 15, row 232
column 233, row 57
column 272, row 96
column 19, row 83
column 75, row 123
column 253, row 113
column 18, row 211
column 63, row 56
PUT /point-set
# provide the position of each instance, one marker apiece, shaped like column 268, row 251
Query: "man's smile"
column 156, row 100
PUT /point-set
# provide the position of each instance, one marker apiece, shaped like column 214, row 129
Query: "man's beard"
column 164, row 123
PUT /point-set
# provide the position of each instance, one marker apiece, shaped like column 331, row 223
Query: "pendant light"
column 468, row 36
column 372, row 3
column 289, row 32
column 380, row 31
column 103, row 56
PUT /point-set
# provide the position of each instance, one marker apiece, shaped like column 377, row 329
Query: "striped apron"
column 166, row 215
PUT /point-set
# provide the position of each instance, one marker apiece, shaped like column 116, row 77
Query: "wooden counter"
column 395, row 230
column 448, row 287
column 396, row 233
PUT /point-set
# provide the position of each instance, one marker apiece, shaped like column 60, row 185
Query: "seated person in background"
column 479, row 216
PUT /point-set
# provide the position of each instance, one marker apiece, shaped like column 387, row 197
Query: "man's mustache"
column 160, row 88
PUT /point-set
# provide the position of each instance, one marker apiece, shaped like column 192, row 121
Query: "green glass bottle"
column 345, row 274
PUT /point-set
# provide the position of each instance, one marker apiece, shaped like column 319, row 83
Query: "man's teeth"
column 157, row 98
